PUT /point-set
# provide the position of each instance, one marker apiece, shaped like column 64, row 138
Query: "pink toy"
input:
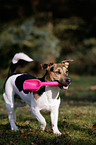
column 35, row 84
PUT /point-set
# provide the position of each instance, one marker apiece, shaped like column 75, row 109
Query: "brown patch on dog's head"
column 57, row 72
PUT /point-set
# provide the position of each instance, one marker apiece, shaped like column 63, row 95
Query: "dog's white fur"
column 22, row 56
column 49, row 100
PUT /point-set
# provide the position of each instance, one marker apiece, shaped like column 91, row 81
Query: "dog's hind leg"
column 11, row 110
column 12, row 117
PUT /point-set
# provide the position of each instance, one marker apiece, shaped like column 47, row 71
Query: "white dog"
column 47, row 98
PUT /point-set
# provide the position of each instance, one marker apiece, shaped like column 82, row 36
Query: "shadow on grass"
column 3, row 116
column 79, row 99
column 27, row 136
column 80, row 140
column 73, row 126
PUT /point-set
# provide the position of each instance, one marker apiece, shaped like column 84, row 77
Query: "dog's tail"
column 15, row 61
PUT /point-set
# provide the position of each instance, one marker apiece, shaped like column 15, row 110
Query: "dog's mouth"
column 64, row 85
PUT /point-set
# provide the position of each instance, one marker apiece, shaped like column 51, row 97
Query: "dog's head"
column 58, row 72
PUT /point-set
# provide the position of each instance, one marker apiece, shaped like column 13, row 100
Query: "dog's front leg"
column 54, row 120
column 39, row 117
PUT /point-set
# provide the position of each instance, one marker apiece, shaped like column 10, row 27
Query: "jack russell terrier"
column 47, row 98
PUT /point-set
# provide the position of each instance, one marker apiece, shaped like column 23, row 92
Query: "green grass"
column 77, row 116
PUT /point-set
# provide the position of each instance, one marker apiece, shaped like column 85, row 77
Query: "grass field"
column 77, row 118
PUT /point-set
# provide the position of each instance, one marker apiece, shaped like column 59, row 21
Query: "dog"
column 46, row 98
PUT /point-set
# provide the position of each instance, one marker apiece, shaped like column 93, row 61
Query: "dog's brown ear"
column 67, row 60
column 44, row 66
column 66, row 64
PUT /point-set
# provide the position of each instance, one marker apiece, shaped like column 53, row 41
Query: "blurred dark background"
column 49, row 31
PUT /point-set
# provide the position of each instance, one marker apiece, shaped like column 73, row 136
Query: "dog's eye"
column 52, row 68
column 58, row 72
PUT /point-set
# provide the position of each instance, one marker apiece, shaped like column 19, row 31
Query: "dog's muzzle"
column 64, row 84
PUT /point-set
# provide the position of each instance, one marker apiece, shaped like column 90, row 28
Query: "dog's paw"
column 42, row 127
column 57, row 132
column 14, row 128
